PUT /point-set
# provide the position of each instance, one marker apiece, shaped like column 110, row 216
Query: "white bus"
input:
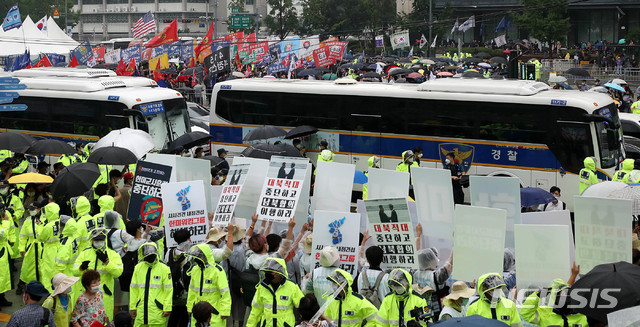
column 82, row 105
column 512, row 128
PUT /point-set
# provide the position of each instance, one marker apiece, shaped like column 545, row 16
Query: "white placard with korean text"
column 337, row 229
column 434, row 201
column 542, row 254
column 386, row 184
column 500, row 193
column 333, row 185
column 184, row 206
column 555, row 217
column 478, row 241
column 391, row 229
column 282, row 188
column 230, row 193
column 247, row 202
column 603, row 231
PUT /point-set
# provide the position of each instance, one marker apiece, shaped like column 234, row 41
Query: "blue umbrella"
column 372, row 66
column 614, row 86
column 471, row 321
column 532, row 196
column 360, row 178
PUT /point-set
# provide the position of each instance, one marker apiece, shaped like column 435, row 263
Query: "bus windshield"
column 166, row 126
column 609, row 139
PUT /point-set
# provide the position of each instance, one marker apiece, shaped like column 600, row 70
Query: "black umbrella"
column 358, row 66
column 308, row 72
column 265, row 151
column 300, row 131
column 190, row 70
column 578, row 72
column 50, row 146
column 482, row 55
column 498, row 60
column 170, row 71
column 322, row 69
column 621, row 276
column 400, row 71
column 16, row 142
column 371, row 75
column 263, row 133
column 471, row 74
column 189, row 140
column 74, row 180
column 112, row 155
column 213, row 159
column 346, row 66
column 473, row 60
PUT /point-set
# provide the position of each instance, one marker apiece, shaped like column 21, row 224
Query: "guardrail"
column 560, row 67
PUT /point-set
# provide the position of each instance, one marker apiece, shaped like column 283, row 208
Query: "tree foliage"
column 239, row 4
column 36, row 9
column 335, row 17
column 545, row 20
column 282, row 19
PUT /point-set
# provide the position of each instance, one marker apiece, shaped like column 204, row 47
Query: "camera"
column 421, row 314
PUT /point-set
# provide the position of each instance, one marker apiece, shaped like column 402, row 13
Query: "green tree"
column 36, row 9
column 545, row 20
column 282, row 19
column 334, row 17
column 634, row 35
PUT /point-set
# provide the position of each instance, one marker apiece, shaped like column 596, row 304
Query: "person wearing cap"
column 222, row 153
column 208, row 283
column 455, row 304
column 106, row 261
column 151, row 289
column 33, row 313
column 5, row 269
column 430, row 276
column 85, row 222
column 276, row 296
column 176, row 258
column 492, row 303
column 306, row 260
column 43, row 168
column 80, row 155
column 394, row 310
column 50, row 237
column 318, row 282
column 349, row 309
column 554, row 310
column 30, row 247
column 60, row 301
column 374, row 163
column 21, row 165
column 12, row 202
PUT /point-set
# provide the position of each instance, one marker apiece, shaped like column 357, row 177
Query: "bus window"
column 571, row 145
column 609, row 144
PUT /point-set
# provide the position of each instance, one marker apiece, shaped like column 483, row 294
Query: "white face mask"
column 33, row 212
column 184, row 246
column 420, row 155
column 99, row 244
column 447, row 162
column 95, row 289
column 4, row 190
column 67, row 291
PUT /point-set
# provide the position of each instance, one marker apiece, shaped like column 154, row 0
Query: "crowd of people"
column 93, row 267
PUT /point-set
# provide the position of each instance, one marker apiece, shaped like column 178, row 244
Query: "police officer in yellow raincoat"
column 151, row 289
column 30, row 248
column 85, row 222
column 396, row 307
column 50, row 237
column 348, row 309
column 5, row 271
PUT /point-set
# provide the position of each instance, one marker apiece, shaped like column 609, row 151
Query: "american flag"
column 144, row 26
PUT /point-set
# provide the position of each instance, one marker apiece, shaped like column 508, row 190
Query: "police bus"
column 513, row 128
column 82, row 105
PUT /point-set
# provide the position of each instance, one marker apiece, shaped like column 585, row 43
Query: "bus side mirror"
column 612, row 140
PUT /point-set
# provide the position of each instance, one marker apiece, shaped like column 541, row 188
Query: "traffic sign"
column 235, row 10
column 240, row 21
column 56, row 13
column 11, row 80
column 6, row 100
column 12, row 87
column 13, row 107
column 9, row 94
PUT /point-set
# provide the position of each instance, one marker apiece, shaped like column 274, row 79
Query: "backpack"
column 129, row 262
column 371, row 292
column 44, row 322
column 244, row 283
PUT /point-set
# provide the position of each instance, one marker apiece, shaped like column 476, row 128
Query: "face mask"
column 50, row 196
column 31, row 194
column 464, row 302
column 4, row 190
column 184, row 246
column 447, row 162
column 221, row 179
column 99, row 244
column 420, row 155
column 95, row 289
column 33, row 212
column 67, row 291
column 150, row 258
column 398, row 289
column 268, row 278
column 410, row 160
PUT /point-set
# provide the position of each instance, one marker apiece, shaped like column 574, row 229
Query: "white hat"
column 329, row 256
column 215, row 234
column 459, row 289
column 307, row 243
column 61, row 282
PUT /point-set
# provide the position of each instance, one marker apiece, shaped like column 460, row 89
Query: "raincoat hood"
column 555, row 287
column 276, row 265
column 372, row 161
column 327, row 155
column 428, row 259
column 83, row 206
column 627, row 165
column 340, row 276
column 400, row 277
column 509, row 262
column 489, row 282
column 52, row 211
column 111, row 219
column 147, row 249
column 106, row 202
column 70, row 225
column 590, row 163
column 199, row 252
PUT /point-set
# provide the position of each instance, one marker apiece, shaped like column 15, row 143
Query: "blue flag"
column 13, row 19
column 505, row 24
column 83, row 53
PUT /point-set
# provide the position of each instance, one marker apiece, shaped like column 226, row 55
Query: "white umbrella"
column 427, row 62
column 619, row 81
column 600, row 89
column 629, row 193
column 484, row 65
column 603, row 189
column 137, row 141
column 557, row 79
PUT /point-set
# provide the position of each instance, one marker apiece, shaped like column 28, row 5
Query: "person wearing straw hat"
column 455, row 304
column 60, row 301
column 306, row 260
column 215, row 239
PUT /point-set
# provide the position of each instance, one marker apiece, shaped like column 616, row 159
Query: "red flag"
column 74, row 62
column 194, row 81
column 157, row 75
column 43, row 62
column 121, row 70
column 131, row 69
column 206, row 41
column 168, row 35
column 238, row 61
column 192, row 62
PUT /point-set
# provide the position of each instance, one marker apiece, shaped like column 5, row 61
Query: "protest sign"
column 246, row 205
column 307, row 45
column 276, row 68
column 185, row 207
column 146, row 196
column 386, row 183
column 391, row 229
column 219, row 61
column 321, row 57
column 434, row 201
column 98, row 53
column 131, row 52
column 336, row 49
column 478, row 241
column 186, row 51
column 83, row 53
column 332, row 189
column 501, row 193
column 400, row 39
column 337, row 229
column 282, row 188
column 230, row 192
column 289, row 46
column 603, row 231
column 112, row 57
column 556, row 217
column 542, row 254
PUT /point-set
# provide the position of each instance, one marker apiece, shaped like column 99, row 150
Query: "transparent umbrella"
column 603, row 189
column 137, row 141
column 629, row 193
